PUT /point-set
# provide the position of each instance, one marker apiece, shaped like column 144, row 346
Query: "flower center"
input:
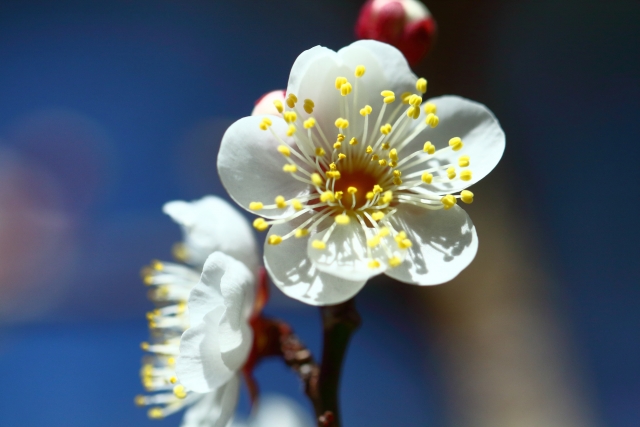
column 355, row 185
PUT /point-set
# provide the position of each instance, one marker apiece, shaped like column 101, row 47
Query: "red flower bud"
column 405, row 24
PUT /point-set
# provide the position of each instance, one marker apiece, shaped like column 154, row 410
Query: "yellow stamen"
column 377, row 216
column 340, row 137
column 369, row 149
column 385, row 129
column 319, row 152
column 369, row 195
column 339, row 194
column 317, row 179
column 291, row 130
column 290, row 116
column 455, row 143
column 384, row 232
column 284, row 150
column 360, row 70
column 155, row 414
column 291, row 100
column 393, row 154
column 180, row 391
column 432, row 120
column 318, row 244
column 387, row 197
column 466, row 196
column 397, row 180
column 404, row 244
column 448, row 201
column 385, row 146
column 333, row 166
column 394, row 261
column 377, row 189
column 427, row 178
column 397, row 173
column 278, row 105
column 430, row 108
column 290, row 168
column 374, row 264
column 342, row 219
column 260, row 224
column 309, row 123
column 451, row 172
column 413, row 112
column 373, row 242
column 297, row 205
column 382, row 162
column 353, row 141
column 340, row 81
column 429, row 148
column 308, row 106
column 327, row 196
column 342, row 123
column 388, row 96
column 405, row 97
column 274, row 239
column 345, row 89
column 352, row 190
column 465, row 175
column 421, row 85
column 463, row 161
column 280, row 202
column 301, row 232
column 337, row 145
column 366, row 110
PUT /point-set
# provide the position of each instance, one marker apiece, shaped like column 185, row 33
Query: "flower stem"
column 339, row 323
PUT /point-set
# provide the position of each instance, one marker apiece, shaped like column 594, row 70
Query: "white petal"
column 347, row 255
column 483, row 140
column 250, row 165
column 279, row 411
column 228, row 283
column 200, row 366
column 216, row 408
column 395, row 70
column 211, row 224
column 293, row 272
column 444, row 243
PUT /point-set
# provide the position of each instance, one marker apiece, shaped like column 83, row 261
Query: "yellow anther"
column 352, row 190
column 291, row 130
column 340, row 137
column 369, row 195
column 377, row 216
column 339, row 194
column 374, row 264
column 421, row 85
column 448, row 201
column 345, row 89
column 144, row 346
column 463, row 161
column 297, row 205
column 327, row 196
column 340, row 81
column 413, row 112
column 429, row 148
column 432, row 120
column 455, row 143
column 385, row 146
column 369, row 149
column 353, row 141
column 319, row 152
column 397, row 173
column 155, row 414
column 290, row 168
column 394, row 261
column 180, row 391
column 333, row 166
column 397, row 180
column 465, row 175
column 360, row 69
column 387, row 93
column 375, row 158
column 274, row 239
column 342, row 219
column 385, row 129
column 393, row 154
column 291, row 100
column 157, row 265
column 263, row 126
column 173, row 380
column 377, row 189
column 404, row 244
column 405, row 97
column 342, row 123
column 382, row 162
column 308, row 106
column 427, row 178
column 387, row 197
column 373, row 242
column 301, row 232
column 400, row 236
column 318, row 244
column 171, row 361
column 278, row 105
column 309, row 123
column 139, row 400
column 366, row 110
column 255, row 206
column 451, row 172
column 466, row 196
column 290, row 116
column 337, row 145
column 384, row 232
column 430, row 108
column 281, row 202
column 342, row 156
column 284, row 150
column 333, row 174
column 415, row 100
column 393, row 164
column 179, row 251
column 389, row 99
column 267, row 121
column 260, row 224
column 316, row 179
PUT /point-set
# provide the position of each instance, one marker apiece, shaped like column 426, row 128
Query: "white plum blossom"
column 360, row 175
column 265, row 105
column 216, row 346
column 209, row 224
column 277, row 411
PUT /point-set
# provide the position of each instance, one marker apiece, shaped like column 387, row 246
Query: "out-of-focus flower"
column 359, row 176
column 214, row 350
column 405, row 24
column 277, row 411
column 265, row 105
column 209, row 224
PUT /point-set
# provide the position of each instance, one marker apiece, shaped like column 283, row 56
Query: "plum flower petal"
column 267, row 104
column 277, row 411
column 217, row 344
column 209, row 225
column 357, row 154
column 293, row 272
column 214, row 409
